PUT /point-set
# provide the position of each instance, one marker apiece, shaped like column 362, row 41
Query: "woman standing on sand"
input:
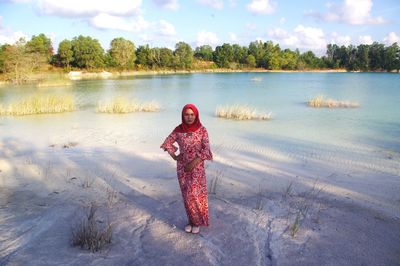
column 194, row 148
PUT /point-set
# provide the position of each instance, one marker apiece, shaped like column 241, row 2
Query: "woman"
column 194, row 148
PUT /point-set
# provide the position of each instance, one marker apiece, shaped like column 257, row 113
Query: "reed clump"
column 240, row 112
column 54, row 83
column 120, row 105
column 39, row 104
column 323, row 101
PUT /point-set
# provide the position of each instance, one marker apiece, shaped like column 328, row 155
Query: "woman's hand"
column 190, row 166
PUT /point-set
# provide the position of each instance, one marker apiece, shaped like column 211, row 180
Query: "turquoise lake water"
column 375, row 123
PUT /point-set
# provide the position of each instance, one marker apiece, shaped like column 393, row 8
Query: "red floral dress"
column 193, row 184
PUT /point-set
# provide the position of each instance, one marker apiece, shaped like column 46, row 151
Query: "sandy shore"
column 346, row 201
column 76, row 75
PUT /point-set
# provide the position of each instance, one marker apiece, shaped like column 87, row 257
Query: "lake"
column 375, row 123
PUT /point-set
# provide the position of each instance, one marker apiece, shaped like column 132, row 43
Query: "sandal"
column 188, row 228
column 195, row 230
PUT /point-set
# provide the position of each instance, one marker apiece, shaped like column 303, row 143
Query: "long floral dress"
column 193, row 184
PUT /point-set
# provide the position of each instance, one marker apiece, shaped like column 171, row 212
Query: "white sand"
column 353, row 220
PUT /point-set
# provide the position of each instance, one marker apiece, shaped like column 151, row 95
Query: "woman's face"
column 188, row 116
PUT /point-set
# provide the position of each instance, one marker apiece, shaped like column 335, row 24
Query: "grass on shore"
column 240, row 112
column 89, row 234
column 38, row 104
column 322, row 101
column 120, row 105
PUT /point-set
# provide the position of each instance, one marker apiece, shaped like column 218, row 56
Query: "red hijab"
column 186, row 128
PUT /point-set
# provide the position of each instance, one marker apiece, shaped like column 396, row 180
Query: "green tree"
column 271, row 57
column 256, row 49
column 143, row 56
column 362, row 58
column 40, row 46
column 223, row 55
column 183, row 55
column 331, row 59
column 251, row 61
column 122, row 53
column 351, row 62
column 3, row 49
column 376, row 56
column 239, row 54
column 310, row 60
column 87, row 52
column 204, row 52
column 289, row 59
column 166, row 57
column 65, row 55
column 391, row 57
column 18, row 63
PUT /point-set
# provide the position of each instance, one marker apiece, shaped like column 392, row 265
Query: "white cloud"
column 302, row 37
column 207, row 38
column 11, row 37
column 217, row 4
column 72, row 8
column 233, row 37
column 251, row 26
column 167, row 4
column 339, row 39
column 232, row 3
column 261, row 7
column 355, row 12
column 365, row 39
column 21, row 1
column 391, row 38
column 8, row 36
column 282, row 36
column 106, row 21
column 165, row 28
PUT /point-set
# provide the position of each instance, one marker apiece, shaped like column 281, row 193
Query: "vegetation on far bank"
column 19, row 61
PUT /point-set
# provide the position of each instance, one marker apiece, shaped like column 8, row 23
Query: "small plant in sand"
column 294, row 227
column 288, row 190
column 240, row 112
column 88, row 234
column 39, row 104
column 112, row 196
column 322, row 101
column 120, row 105
column 88, row 181
column 259, row 201
column 303, row 207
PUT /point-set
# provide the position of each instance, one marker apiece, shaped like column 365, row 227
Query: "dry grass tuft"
column 322, row 101
column 120, row 105
column 240, row 112
column 39, row 104
column 54, row 83
column 89, row 235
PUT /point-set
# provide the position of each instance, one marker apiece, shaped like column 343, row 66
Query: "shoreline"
column 48, row 76
column 53, row 78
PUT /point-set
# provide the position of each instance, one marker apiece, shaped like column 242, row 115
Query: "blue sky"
column 307, row 25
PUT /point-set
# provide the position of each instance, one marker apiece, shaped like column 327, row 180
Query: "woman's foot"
column 188, row 228
column 195, row 229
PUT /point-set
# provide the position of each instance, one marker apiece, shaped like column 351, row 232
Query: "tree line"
column 19, row 60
